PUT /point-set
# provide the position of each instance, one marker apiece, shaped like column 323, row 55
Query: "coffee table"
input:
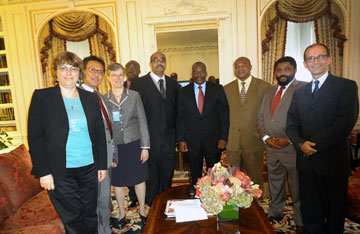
column 251, row 220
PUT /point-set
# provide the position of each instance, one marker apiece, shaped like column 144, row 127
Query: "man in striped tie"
column 202, row 121
column 245, row 148
column 280, row 153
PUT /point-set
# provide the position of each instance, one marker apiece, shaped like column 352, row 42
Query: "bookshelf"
column 7, row 116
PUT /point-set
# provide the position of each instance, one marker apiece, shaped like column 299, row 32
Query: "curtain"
column 75, row 26
column 273, row 44
column 327, row 30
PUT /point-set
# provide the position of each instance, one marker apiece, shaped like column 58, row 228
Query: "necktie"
column 242, row 92
column 316, row 89
column 104, row 112
column 200, row 99
column 277, row 99
column 162, row 90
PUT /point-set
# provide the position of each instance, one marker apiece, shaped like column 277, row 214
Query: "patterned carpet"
column 286, row 226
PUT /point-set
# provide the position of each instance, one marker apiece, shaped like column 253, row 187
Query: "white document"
column 189, row 210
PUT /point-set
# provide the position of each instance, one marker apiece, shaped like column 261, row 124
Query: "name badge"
column 75, row 125
column 116, row 116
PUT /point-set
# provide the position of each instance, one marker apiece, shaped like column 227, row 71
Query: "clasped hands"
column 183, row 145
column 277, row 142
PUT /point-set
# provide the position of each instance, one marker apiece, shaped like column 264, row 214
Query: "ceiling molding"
column 209, row 46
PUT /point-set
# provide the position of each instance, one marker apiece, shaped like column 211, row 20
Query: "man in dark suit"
column 202, row 121
column 93, row 76
column 132, row 71
column 159, row 96
column 280, row 154
column 320, row 119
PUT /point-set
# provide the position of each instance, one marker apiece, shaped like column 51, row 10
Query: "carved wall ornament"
column 187, row 6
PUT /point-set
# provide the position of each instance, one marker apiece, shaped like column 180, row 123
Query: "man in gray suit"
column 280, row 153
column 94, row 70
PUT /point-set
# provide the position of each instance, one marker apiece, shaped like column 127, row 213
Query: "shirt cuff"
column 265, row 138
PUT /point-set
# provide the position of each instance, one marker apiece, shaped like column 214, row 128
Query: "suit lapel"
column 287, row 94
column 271, row 96
column 59, row 105
column 324, row 88
column 150, row 83
column 208, row 95
column 251, row 91
column 234, row 92
column 190, row 93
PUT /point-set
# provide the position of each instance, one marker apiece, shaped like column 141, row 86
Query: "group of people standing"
column 81, row 142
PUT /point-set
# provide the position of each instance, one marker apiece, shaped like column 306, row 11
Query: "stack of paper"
column 185, row 210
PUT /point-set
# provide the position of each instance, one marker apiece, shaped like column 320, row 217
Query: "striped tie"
column 242, row 92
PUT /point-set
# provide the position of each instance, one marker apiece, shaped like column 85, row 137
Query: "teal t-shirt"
column 78, row 146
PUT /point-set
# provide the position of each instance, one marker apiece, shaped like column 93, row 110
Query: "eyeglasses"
column 93, row 70
column 72, row 69
column 156, row 60
column 320, row 57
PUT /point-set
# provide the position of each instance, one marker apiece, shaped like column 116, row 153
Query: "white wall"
column 135, row 24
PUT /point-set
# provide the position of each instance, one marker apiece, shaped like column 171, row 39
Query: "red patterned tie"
column 200, row 99
column 103, row 110
column 277, row 99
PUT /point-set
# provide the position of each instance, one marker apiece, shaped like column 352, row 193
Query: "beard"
column 287, row 81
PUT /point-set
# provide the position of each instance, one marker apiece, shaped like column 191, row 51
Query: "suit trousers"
column 249, row 162
column 197, row 161
column 161, row 171
column 281, row 166
column 323, row 202
column 103, row 204
column 75, row 199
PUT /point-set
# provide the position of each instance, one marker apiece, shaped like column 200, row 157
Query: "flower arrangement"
column 226, row 187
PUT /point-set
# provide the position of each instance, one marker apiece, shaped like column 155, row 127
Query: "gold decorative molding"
column 167, row 24
column 208, row 46
column 187, row 6
column 14, row 2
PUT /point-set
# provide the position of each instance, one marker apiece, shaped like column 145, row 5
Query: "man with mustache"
column 320, row 118
column 202, row 121
column 159, row 96
column 280, row 153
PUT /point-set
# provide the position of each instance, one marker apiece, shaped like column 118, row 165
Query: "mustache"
column 287, row 77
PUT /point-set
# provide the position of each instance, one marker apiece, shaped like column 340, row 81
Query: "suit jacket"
column 275, row 125
column 243, row 116
column 327, row 120
column 133, row 117
column 160, row 112
column 110, row 146
column 48, row 129
column 210, row 126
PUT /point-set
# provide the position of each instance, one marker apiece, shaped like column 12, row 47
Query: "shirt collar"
column 156, row 77
column 87, row 88
column 203, row 85
column 287, row 86
column 322, row 79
